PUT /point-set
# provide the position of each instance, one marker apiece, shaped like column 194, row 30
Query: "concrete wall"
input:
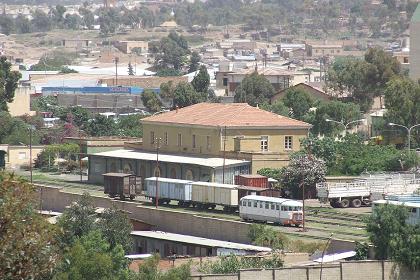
column 351, row 270
column 414, row 50
column 17, row 156
column 21, row 102
column 56, row 199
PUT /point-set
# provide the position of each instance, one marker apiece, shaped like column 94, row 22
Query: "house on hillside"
column 206, row 142
column 279, row 78
column 315, row 90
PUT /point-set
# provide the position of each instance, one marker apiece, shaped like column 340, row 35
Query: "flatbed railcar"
column 271, row 209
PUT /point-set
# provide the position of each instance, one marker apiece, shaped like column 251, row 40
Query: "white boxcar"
column 169, row 189
column 215, row 194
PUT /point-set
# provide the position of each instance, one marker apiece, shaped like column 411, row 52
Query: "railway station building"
column 205, row 142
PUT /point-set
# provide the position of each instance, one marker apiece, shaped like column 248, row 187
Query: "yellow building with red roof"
column 206, row 140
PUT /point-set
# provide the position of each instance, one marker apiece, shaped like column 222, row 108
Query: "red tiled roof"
column 230, row 115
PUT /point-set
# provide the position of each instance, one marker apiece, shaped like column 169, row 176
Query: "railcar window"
column 267, row 206
column 244, row 203
column 414, row 210
column 283, row 208
column 261, row 204
column 255, row 204
column 290, row 208
column 249, row 203
column 277, row 207
column 272, row 206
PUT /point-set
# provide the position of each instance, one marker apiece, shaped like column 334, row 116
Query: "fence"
column 351, row 270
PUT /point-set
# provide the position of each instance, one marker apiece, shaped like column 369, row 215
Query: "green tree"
column 91, row 257
column 40, row 21
column 77, row 220
column 151, row 101
column 303, row 171
column 363, row 79
column 116, row 228
column 334, row 110
column 254, row 89
column 27, row 245
column 149, row 270
column 201, row 81
column 277, row 107
column 261, row 235
column 8, row 83
column 392, row 237
column 101, row 126
column 402, row 97
column 170, row 52
column 298, row 101
column 7, row 25
column 194, row 62
column 130, row 69
column 185, row 95
column 15, row 131
column 130, row 126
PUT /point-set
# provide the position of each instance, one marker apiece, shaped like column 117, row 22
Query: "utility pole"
column 116, row 60
column 157, row 172
column 30, row 152
column 80, row 155
column 224, row 155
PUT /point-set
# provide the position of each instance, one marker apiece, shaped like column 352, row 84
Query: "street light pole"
column 408, row 130
column 80, row 156
column 157, row 172
column 30, row 152
column 345, row 124
column 323, row 253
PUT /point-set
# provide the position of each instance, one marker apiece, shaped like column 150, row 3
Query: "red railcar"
column 257, row 181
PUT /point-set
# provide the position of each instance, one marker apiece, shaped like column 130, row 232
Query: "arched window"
column 157, row 172
column 128, row 168
column 173, row 173
column 189, row 175
column 113, row 167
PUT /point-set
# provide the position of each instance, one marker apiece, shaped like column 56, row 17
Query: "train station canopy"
column 212, row 162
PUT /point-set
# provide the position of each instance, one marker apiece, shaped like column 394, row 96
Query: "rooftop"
column 229, row 115
column 212, row 162
column 194, row 240
column 290, row 202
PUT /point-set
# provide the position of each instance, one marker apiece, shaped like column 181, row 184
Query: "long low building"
column 143, row 164
column 168, row 244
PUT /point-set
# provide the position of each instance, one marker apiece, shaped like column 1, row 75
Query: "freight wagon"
column 122, row 185
column 203, row 195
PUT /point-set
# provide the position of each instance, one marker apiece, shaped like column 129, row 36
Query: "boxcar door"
column 132, row 185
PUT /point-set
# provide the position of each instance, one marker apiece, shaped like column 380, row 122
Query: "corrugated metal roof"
column 188, row 239
column 151, row 156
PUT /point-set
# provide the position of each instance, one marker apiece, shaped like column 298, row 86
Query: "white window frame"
column 166, row 139
column 208, row 140
column 264, row 143
column 288, row 143
column 179, row 140
column 152, row 137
